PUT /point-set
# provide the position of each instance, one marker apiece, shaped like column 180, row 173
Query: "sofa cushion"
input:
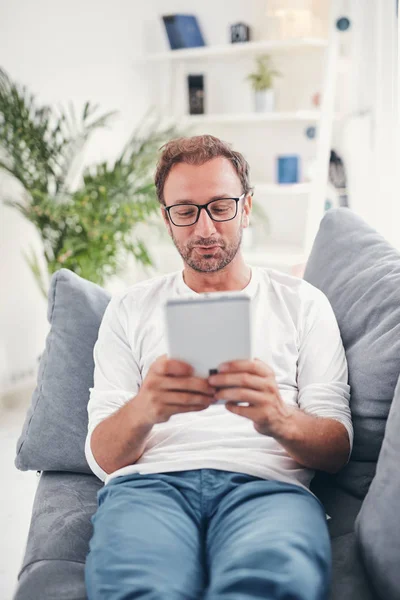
column 359, row 272
column 50, row 579
column 54, row 433
column 342, row 506
column 61, row 525
column 378, row 525
column 349, row 578
column 59, row 535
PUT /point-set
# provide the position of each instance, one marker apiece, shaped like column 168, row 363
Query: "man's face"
column 206, row 246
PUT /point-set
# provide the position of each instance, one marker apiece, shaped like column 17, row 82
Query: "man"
column 204, row 500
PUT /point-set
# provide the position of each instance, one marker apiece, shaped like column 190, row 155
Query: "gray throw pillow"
column 55, row 428
column 378, row 525
column 359, row 272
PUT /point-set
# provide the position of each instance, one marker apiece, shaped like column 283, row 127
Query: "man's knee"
column 290, row 568
column 138, row 580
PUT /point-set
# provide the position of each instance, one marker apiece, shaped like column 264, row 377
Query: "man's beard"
column 209, row 263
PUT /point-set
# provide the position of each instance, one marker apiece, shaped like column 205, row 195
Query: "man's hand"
column 315, row 442
column 254, row 382
column 170, row 388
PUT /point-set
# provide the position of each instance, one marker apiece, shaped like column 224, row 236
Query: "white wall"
column 79, row 51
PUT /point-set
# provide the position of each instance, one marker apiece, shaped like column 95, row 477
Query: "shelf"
column 271, row 117
column 275, row 189
column 234, row 50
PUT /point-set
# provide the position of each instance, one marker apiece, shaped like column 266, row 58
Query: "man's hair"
column 197, row 150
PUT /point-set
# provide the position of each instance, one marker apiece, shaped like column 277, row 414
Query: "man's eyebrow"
column 188, row 201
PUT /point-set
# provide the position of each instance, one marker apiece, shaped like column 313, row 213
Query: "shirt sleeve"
column 116, row 377
column 322, row 372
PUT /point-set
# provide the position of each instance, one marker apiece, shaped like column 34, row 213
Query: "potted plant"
column 87, row 218
column 262, row 83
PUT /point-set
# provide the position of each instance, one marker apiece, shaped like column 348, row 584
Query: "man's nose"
column 205, row 226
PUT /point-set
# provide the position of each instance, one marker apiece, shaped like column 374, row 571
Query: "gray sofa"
column 360, row 274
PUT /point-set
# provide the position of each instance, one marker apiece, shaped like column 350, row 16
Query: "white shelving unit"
column 280, row 132
column 235, row 50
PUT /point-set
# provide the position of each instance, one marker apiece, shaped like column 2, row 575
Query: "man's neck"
column 234, row 277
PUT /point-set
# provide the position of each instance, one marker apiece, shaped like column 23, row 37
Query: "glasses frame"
column 205, row 206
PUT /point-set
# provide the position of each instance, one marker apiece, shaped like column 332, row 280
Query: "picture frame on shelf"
column 183, row 31
column 240, row 32
column 196, row 94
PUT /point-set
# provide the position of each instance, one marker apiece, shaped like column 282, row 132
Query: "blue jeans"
column 207, row 534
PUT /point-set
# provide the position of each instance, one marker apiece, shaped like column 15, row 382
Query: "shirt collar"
column 184, row 290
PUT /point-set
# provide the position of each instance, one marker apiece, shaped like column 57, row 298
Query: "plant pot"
column 264, row 100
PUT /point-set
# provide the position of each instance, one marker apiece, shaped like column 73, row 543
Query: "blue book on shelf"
column 183, row 31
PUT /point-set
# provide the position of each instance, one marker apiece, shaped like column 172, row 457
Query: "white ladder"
column 318, row 191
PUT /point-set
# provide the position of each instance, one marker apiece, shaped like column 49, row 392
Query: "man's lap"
column 268, row 537
column 186, row 530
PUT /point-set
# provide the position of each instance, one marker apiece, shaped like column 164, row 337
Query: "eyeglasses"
column 222, row 209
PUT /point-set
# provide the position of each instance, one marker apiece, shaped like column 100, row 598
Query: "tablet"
column 209, row 329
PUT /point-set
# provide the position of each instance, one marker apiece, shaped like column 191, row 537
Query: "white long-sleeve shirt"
column 296, row 333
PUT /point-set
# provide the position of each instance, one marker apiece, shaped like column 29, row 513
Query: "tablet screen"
column 208, row 330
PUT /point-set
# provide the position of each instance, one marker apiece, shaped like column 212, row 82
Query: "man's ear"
column 247, row 210
column 164, row 216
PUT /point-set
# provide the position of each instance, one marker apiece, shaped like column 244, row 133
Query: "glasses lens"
column 222, row 210
column 184, row 214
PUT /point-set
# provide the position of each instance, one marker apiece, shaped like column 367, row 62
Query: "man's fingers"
column 187, row 384
column 247, row 380
column 186, row 399
column 255, row 367
column 171, row 366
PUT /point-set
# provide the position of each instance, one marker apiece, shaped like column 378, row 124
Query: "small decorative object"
column 196, row 94
column 337, row 176
column 262, row 81
column 343, row 24
column 311, row 132
column 240, row 32
column 183, row 31
column 288, row 169
column 316, row 99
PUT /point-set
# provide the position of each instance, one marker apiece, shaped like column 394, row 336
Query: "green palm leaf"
column 91, row 229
